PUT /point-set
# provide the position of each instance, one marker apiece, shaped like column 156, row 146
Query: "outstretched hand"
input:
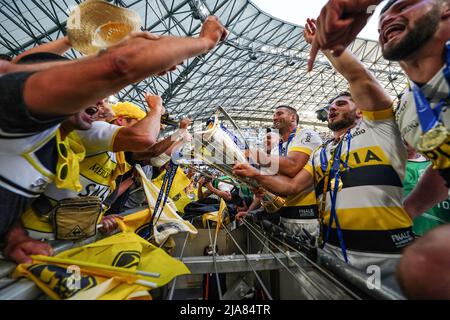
column 213, row 31
column 21, row 251
column 245, row 170
column 154, row 103
column 338, row 24
column 241, row 215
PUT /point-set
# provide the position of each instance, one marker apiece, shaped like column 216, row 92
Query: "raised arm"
column 71, row 87
column 181, row 136
column 155, row 150
column 429, row 191
column 144, row 133
column 166, row 145
column 59, row 46
column 277, row 184
column 339, row 23
column 9, row 67
column 366, row 91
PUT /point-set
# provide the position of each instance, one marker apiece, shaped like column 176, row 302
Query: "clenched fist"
column 213, row 31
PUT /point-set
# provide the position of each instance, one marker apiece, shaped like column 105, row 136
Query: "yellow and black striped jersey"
column 370, row 203
column 304, row 204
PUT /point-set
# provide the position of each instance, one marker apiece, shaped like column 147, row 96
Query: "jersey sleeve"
column 99, row 138
column 305, row 141
column 15, row 117
column 380, row 115
column 313, row 161
column 309, row 165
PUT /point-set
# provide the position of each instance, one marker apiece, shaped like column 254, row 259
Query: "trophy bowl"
column 217, row 149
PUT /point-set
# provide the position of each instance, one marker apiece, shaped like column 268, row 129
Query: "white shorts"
column 367, row 262
column 295, row 226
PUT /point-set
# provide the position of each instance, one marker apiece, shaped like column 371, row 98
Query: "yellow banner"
column 117, row 267
column 168, row 223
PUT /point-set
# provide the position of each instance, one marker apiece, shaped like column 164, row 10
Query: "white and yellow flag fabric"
column 177, row 192
column 168, row 223
column 107, row 269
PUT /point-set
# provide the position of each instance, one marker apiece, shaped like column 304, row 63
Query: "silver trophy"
column 217, row 149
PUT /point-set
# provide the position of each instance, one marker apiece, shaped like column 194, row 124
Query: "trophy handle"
column 211, row 129
column 221, row 109
column 270, row 202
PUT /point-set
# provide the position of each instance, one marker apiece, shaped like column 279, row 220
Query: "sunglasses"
column 63, row 169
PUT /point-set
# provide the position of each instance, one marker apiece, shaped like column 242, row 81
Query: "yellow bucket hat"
column 128, row 110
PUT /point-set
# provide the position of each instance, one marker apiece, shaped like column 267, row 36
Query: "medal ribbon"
column 334, row 169
column 281, row 152
column 428, row 117
column 162, row 196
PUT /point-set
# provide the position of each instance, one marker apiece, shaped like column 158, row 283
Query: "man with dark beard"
column 415, row 33
column 357, row 175
column 287, row 158
column 363, row 198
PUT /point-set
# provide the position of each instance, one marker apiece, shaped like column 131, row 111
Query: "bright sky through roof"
column 296, row 11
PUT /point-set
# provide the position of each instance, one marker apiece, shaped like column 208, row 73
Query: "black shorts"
column 15, row 116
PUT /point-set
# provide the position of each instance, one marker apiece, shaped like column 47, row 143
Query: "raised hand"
column 309, row 34
column 185, row 123
column 21, row 251
column 339, row 23
column 213, row 31
column 154, row 103
column 245, row 170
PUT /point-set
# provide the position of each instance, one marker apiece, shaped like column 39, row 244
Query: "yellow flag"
column 217, row 216
column 113, row 289
column 107, row 269
column 168, row 223
column 136, row 222
column 178, row 190
column 180, row 182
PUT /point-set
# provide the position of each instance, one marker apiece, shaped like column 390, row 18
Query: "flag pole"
column 92, row 265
